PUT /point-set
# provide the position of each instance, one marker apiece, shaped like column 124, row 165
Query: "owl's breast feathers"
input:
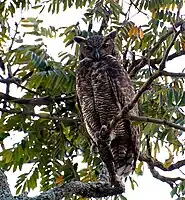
column 103, row 89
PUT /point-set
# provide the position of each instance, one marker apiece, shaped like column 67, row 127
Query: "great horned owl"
column 103, row 89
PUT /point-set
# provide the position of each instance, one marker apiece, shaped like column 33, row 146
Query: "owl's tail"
column 123, row 156
column 122, row 149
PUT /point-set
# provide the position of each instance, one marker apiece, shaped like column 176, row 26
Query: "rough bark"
column 93, row 189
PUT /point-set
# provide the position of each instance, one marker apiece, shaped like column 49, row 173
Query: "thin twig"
column 157, row 121
column 172, row 74
column 9, row 66
column 140, row 63
column 160, row 165
column 164, row 37
column 136, row 6
column 10, row 80
column 163, row 61
column 34, row 101
column 45, row 116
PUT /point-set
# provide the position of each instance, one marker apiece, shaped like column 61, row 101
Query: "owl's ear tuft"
column 79, row 39
column 112, row 34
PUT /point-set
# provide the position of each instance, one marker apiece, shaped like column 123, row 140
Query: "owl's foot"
column 103, row 134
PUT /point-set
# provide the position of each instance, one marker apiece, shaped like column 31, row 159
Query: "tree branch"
column 16, row 81
column 160, row 165
column 163, row 38
column 134, row 69
column 10, row 80
column 68, row 121
column 88, row 190
column 164, row 59
column 155, row 173
column 172, row 74
column 34, row 101
column 157, row 121
column 140, row 63
column 145, row 86
column 168, row 180
column 4, row 187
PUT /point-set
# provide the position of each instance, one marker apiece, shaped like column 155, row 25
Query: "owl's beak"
column 97, row 54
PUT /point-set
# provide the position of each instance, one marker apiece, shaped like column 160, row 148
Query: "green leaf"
column 173, row 192
column 182, row 101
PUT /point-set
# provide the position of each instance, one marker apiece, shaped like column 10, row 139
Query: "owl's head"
column 97, row 46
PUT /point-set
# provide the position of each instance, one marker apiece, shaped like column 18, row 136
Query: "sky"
column 148, row 187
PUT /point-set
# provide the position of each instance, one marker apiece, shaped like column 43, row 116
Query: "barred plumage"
column 104, row 88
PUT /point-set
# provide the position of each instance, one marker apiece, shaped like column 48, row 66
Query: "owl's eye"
column 106, row 45
column 88, row 48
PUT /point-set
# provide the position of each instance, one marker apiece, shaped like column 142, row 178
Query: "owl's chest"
column 100, row 80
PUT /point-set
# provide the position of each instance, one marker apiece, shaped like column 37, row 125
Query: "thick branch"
column 93, row 189
column 4, row 187
column 157, row 121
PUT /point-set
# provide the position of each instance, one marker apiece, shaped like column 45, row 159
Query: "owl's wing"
column 85, row 97
column 124, row 92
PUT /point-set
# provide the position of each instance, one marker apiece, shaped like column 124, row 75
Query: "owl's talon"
column 103, row 129
column 102, row 134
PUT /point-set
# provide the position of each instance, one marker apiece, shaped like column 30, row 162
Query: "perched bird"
column 103, row 89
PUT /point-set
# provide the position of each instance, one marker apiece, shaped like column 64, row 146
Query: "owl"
column 103, row 88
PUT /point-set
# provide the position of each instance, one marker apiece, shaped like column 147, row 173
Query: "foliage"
column 56, row 135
